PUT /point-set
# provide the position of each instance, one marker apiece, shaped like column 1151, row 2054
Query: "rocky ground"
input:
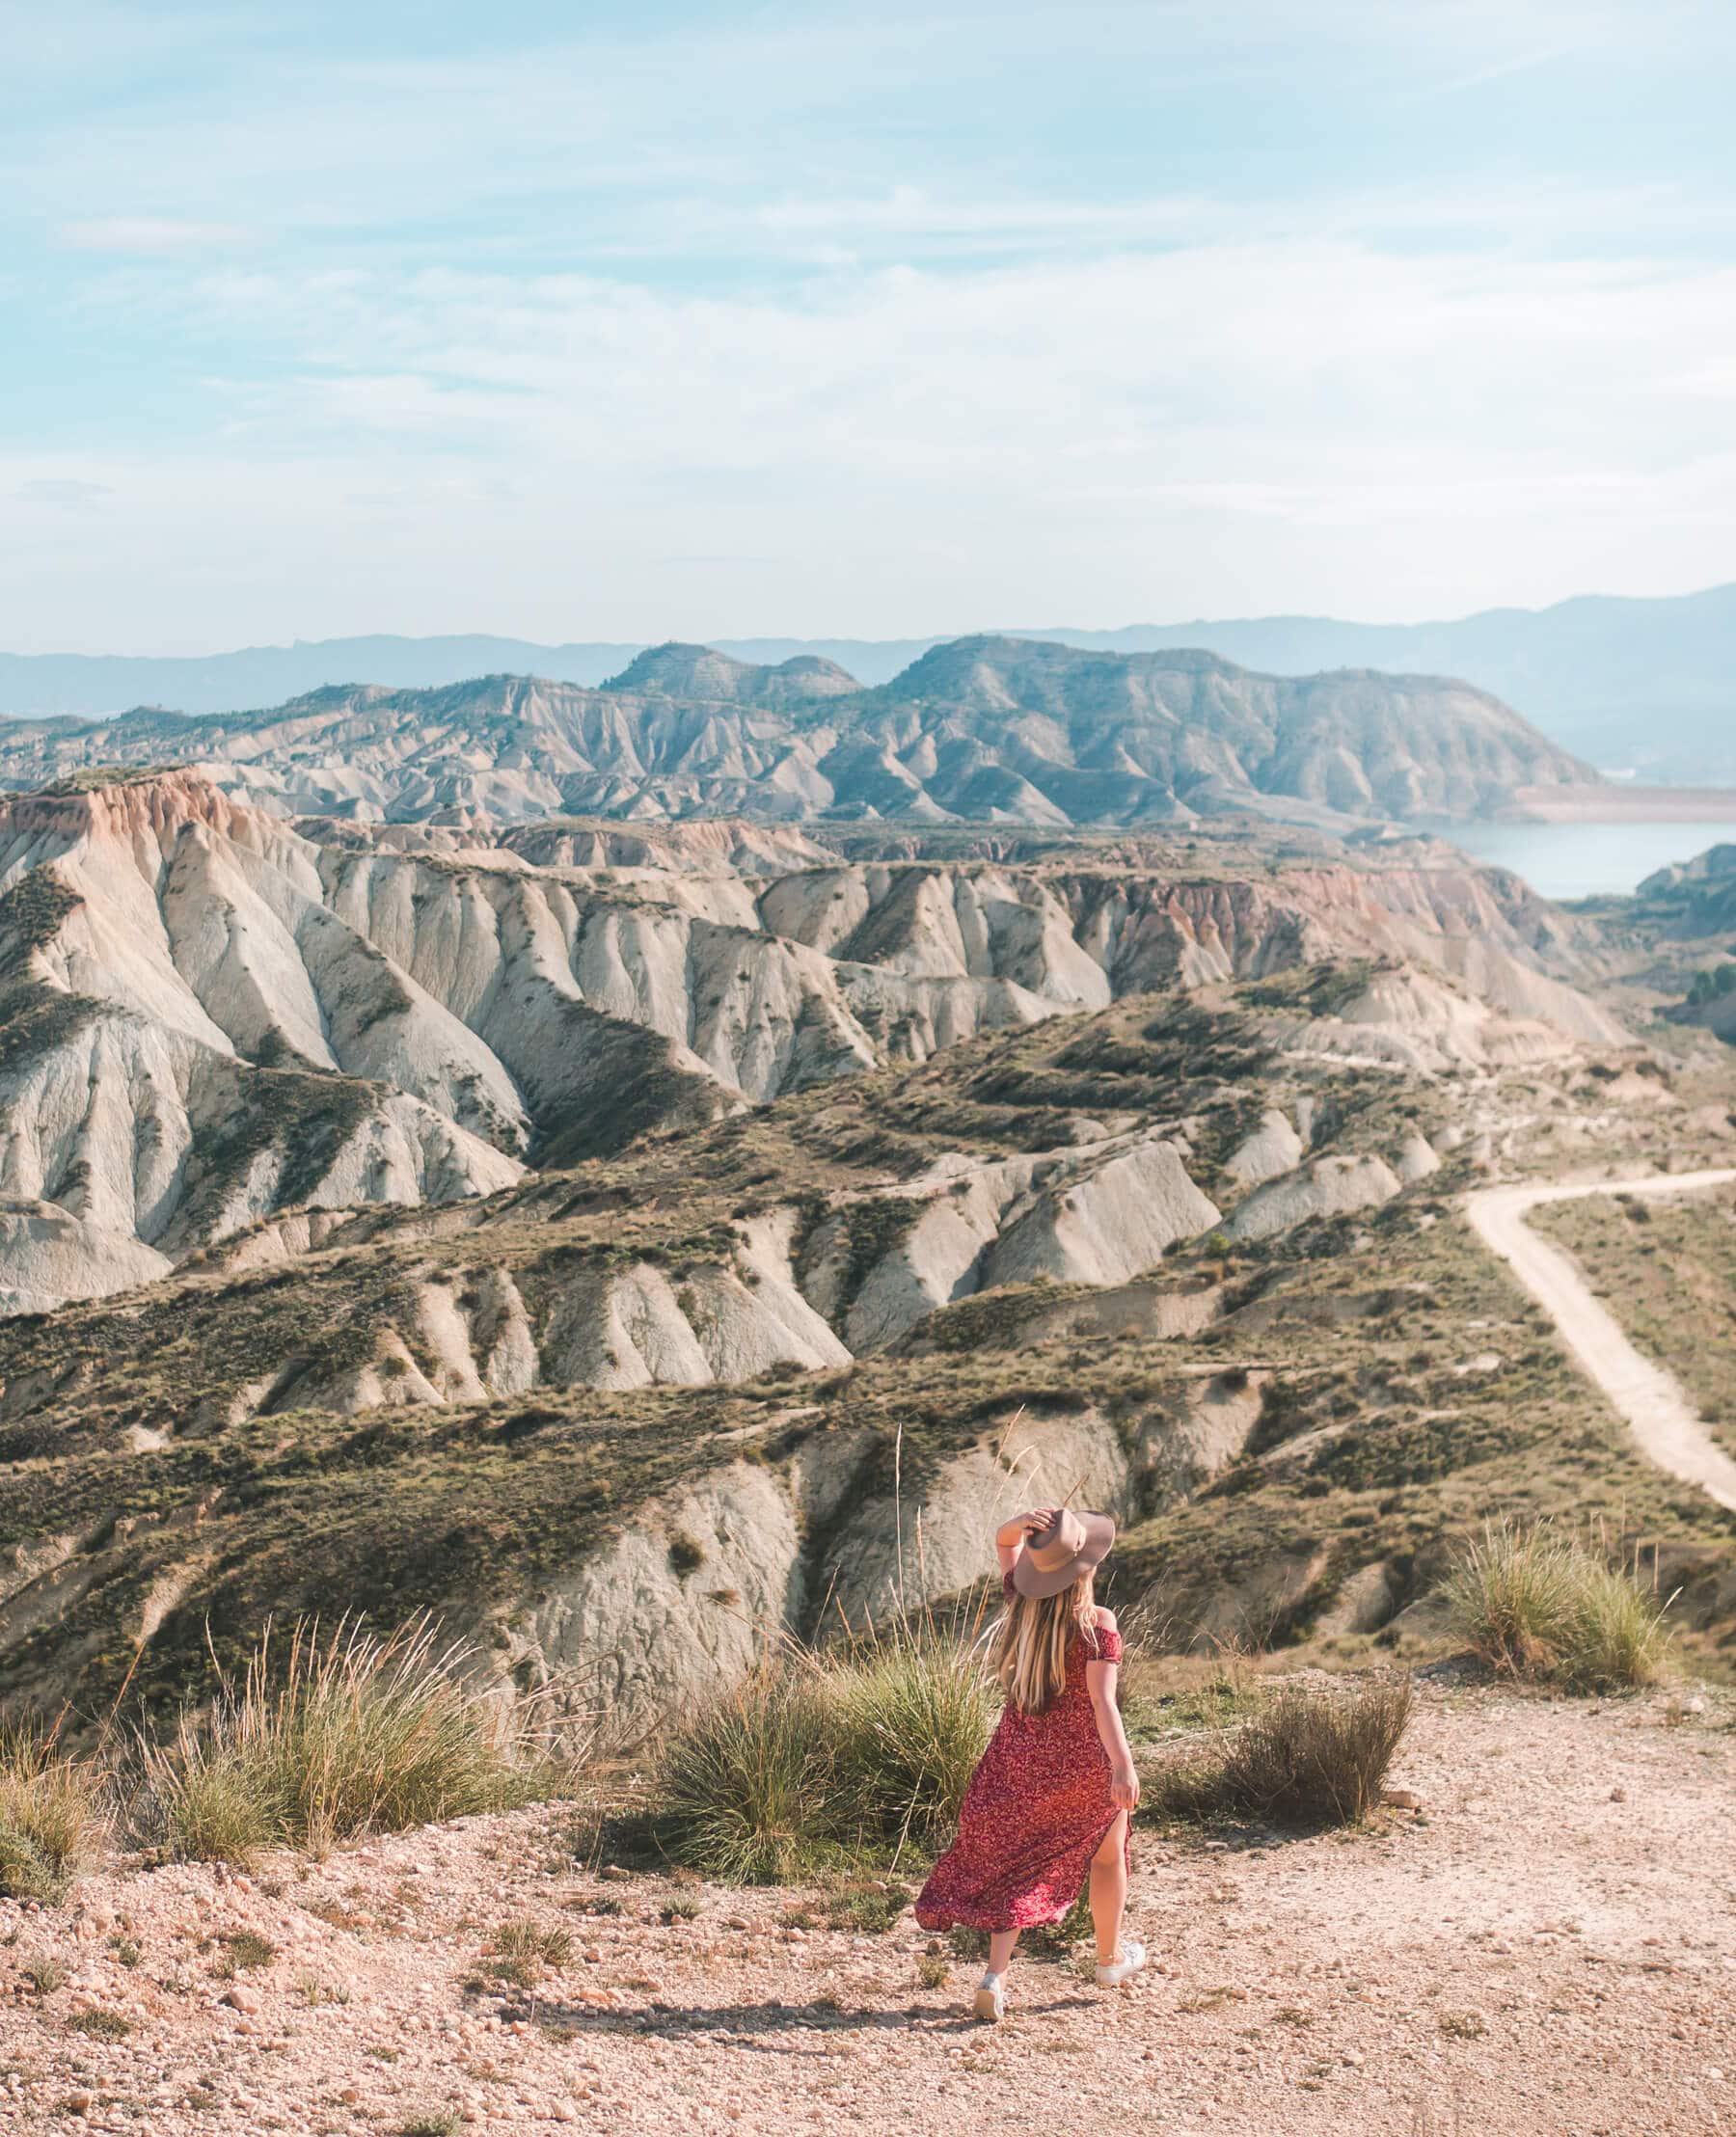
column 1547, row 1944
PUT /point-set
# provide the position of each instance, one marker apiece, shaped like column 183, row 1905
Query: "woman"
column 1054, row 1793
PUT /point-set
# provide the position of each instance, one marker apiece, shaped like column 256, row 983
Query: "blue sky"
column 621, row 322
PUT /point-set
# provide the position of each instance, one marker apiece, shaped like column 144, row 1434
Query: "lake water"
column 1585, row 860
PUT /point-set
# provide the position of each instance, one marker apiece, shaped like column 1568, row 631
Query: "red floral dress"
column 1034, row 1813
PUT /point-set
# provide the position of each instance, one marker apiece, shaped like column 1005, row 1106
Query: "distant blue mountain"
column 1642, row 685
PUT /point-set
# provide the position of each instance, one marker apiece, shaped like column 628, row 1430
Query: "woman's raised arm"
column 1010, row 1538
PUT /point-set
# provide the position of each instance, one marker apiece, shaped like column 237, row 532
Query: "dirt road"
column 1658, row 1415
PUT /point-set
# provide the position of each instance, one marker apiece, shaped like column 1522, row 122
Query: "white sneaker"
column 1130, row 1959
column 991, row 2004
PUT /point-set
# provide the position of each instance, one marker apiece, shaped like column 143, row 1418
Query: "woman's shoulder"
column 1106, row 1643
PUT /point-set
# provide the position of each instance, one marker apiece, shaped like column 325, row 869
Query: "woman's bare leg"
column 1110, row 1890
column 1000, row 1949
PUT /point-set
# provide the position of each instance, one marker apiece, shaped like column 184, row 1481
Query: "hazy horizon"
column 1075, row 627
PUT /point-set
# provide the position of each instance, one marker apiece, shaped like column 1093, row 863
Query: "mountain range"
column 1641, row 683
column 637, row 1241
column 207, row 1014
column 982, row 730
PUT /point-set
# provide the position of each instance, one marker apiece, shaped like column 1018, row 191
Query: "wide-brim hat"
column 1054, row 1557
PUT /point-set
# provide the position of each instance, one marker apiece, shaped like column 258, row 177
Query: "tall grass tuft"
column 53, row 1815
column 1621, row 1640
column 743, row 1788
column 912, row 1710
column 864, row 1748
column 1541, row 1608
column 330, row 1736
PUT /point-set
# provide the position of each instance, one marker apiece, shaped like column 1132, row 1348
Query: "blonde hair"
column 1030, row 1657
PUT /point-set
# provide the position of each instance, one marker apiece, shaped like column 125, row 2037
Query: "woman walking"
column 1051, row 1802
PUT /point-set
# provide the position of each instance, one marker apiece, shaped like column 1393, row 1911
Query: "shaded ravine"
column 1662, row 1419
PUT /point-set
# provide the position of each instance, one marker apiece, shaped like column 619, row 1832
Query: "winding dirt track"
column 1651, row 1400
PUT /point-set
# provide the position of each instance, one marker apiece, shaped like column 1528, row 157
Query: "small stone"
column 613, row 1870
column 593, row 1956
column 242, row 1998
column 349, row 2096
column 1400, row 1799
column 1619, row 1795
column 78, row 2103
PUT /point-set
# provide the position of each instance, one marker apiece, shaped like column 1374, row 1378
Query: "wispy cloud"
column 153, row 236
column 63, row 493
column 1111, row 438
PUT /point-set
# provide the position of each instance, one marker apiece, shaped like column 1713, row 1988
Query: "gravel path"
column 1547, row 1948
column 1651, row 1400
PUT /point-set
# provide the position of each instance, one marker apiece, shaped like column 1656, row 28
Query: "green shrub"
column 1319, row 1758
column 869, row 1908
column 207, row 1799
column 1510, row 1599
column 347, row 1733
column 911, row 1714
column 53, row 1816
column 743, row 1789
column 815, row 1757
column 1307, row 1759
column 25, row 1872
column 1620, row 1639
column 520, row 1951
column 526, row 1940
column 1541, row 1608
column 102, row 2024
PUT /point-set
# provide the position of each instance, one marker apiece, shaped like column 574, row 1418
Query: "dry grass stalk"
column 330, row 1736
